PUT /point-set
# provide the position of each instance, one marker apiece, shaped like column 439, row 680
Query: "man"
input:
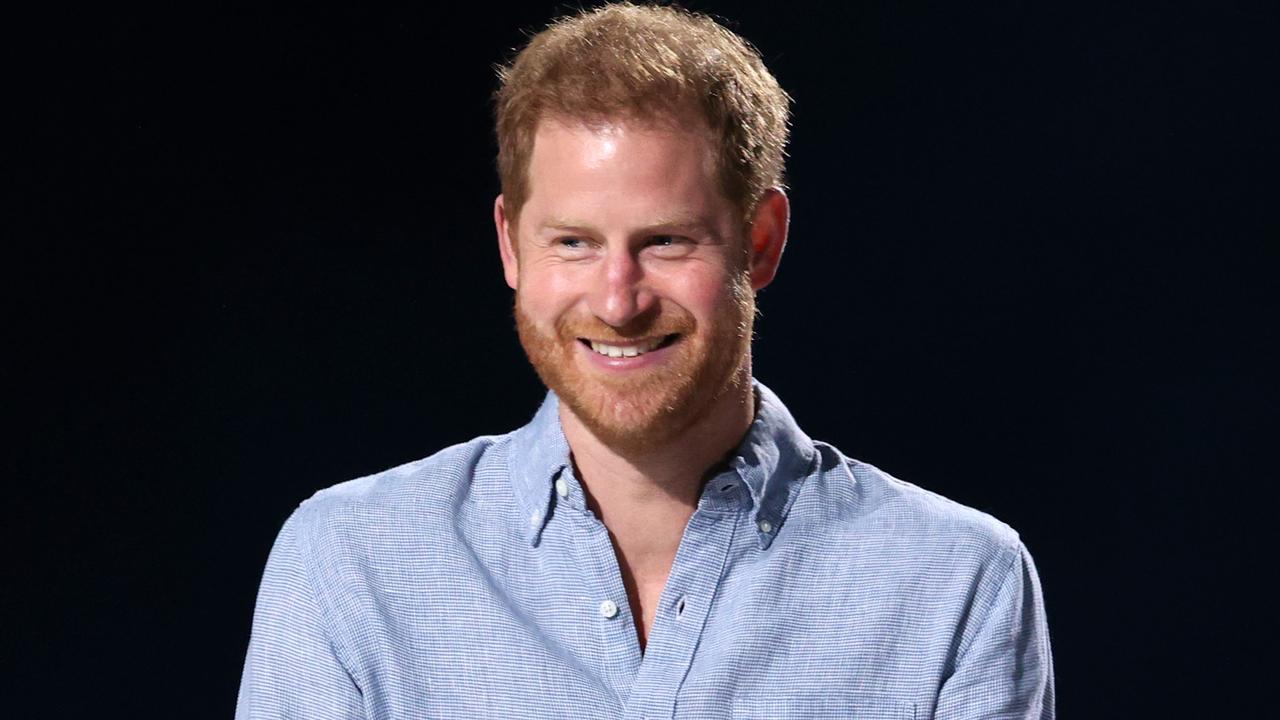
column 662, row 540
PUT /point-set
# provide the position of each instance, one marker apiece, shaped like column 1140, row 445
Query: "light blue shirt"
column 477, row 584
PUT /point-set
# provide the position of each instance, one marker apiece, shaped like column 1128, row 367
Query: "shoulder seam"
column 1015, row 551
column 305, row 553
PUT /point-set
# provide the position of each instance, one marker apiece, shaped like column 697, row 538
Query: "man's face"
column 633, row 297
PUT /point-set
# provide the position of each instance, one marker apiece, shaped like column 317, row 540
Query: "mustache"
column 648, row 325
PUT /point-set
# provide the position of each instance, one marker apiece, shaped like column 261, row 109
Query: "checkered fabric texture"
column 477, row 584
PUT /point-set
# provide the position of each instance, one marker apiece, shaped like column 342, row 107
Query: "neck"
column 665, row 477
column 645, row 499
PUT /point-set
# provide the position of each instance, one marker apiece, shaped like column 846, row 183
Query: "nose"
column 619, row 295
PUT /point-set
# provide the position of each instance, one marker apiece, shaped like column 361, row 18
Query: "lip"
column 627, row 364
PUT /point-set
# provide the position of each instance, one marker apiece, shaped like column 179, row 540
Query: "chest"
column 551, row 632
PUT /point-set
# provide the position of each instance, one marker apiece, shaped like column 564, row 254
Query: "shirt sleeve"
column 292, row 669
column 1004, row 669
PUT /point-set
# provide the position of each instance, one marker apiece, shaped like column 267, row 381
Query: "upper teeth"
column 625, row 350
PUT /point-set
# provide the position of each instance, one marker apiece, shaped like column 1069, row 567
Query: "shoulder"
column 871, row 504
column 401, row 498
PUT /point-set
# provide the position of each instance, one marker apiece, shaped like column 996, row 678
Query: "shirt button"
column 562, row 487
column 535, row 518
column 765, row 526
column 608, row 609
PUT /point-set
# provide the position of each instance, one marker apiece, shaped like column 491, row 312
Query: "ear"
column 768, row 235
column 506, row 244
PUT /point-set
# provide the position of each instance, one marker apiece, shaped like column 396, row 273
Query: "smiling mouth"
column 632, row 349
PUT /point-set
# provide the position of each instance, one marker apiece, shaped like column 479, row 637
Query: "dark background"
column 1031, row 268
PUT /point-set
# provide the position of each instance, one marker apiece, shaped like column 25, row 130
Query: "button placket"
column 605, row 597
column 686, row 602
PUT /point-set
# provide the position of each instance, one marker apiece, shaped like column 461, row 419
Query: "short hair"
column 645, row 63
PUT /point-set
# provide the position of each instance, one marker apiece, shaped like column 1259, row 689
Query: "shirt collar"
column 539, row 453
column 772, row 458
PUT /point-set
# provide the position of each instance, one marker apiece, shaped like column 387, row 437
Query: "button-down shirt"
column 477, row 583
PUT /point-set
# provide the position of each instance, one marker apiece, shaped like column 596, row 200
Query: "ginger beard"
column 647, row 408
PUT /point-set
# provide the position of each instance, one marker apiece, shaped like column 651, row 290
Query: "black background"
column 1031, row 268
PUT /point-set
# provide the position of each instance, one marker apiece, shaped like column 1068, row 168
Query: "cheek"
column 545, row 293
column 707, row 295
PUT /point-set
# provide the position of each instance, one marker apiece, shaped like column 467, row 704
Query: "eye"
column 671, row 246
column 573, row 247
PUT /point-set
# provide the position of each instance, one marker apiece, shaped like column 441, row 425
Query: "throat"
column 644, row 591
column 645, row 538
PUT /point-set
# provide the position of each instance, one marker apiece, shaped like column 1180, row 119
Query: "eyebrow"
column 686, row 223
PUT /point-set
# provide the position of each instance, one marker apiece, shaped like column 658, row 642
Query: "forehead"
column 623, row 163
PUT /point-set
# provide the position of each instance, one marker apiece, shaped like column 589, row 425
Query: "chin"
column 655, row 406
column 654, row 411
column 634, row 419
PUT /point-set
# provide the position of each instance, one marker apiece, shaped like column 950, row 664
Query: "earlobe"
column 506, row 244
